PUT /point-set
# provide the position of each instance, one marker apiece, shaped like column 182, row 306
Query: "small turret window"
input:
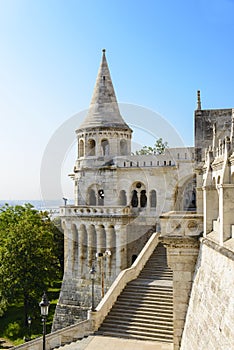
column 143, row 199
column 134, row 201
column 101, row 197
column 105, row 147
column 123, row 147
column 91, row 147
column 81, row 148
column 153, row 199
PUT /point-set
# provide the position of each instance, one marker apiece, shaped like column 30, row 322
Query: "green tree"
column 28, row 261
column 158, row 148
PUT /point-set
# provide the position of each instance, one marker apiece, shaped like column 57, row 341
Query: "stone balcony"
column 97, row 211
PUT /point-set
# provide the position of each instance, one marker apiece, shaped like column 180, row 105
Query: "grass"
column 12, row 326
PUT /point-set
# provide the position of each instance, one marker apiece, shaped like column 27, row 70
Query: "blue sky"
column 159, row 52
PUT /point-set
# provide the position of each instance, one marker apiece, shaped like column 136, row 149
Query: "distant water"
column 51, row 206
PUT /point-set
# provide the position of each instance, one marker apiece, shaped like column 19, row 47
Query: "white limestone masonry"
column 210, row 322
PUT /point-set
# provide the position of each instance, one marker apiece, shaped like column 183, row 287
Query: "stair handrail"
column 58, row 338
column 97, row 317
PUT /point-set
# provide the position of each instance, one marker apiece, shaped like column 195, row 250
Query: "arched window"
column 81, row 148
column 105, row 147
column 143, row 199
column 189, row 193
column 91, row 197
column 123, row 147
column 91, row 147
column 122, row 198
column 100, row 197
column 134, row 201
column 138, row 195
column 153, row 199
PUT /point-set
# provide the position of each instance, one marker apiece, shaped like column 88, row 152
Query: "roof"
column 103, row 110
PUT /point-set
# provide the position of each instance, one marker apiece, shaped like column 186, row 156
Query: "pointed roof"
column 103, row 110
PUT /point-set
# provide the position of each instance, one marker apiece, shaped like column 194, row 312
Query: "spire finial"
column 198, row 99
column 103, row 50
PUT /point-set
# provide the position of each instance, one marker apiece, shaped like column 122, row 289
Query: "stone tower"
column 118, row 200
column 101, row 137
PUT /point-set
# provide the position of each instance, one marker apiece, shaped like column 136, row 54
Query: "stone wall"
column 210, row 322
column 204, row 128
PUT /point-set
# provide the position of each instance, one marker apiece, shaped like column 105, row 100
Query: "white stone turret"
column 103, row 132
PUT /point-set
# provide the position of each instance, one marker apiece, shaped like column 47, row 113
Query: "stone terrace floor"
column 111, row 343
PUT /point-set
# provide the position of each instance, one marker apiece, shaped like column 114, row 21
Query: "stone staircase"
column 144, row 310
column 77, row 345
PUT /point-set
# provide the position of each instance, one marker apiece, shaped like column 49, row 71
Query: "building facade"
column 119, row 198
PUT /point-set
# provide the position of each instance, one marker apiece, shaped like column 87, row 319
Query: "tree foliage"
column 158, row 148
column 28, row 254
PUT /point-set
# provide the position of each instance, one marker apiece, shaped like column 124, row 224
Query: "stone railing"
column 98, row 316
column 71, row 210
column 60, row 337
column 181, row 224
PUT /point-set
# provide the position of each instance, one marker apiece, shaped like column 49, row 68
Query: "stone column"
column 182, row 255
column 199, row 198
column 226, row 209
column 121, row 248
column 82, row 237
column 67, row 248
column 101, row 247
column 110, row 245
column 210, row 207
column 74, row 250
column 91, row 248
column 101, row 239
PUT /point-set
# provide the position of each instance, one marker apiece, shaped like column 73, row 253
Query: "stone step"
column 167, row 315
column 144, row 310
column 141, row 300
column 144, row 304
column 147, row 289
column 138, row 323
column 138, row 314
column 79, row 344
column 162, row 321
column 161, row 270
column 145, row 295
column 157, row 262
column 113, row 327
column 148, row 270
column 154, row 272
column 137, row 334
column 137, row 282
column 136, row 331
column 155, row 276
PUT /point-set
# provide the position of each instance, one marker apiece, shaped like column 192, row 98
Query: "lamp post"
column 44, row 305
column 92, row 276
column 29, row 327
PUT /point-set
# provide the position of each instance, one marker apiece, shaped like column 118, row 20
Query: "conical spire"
column 103, row 109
